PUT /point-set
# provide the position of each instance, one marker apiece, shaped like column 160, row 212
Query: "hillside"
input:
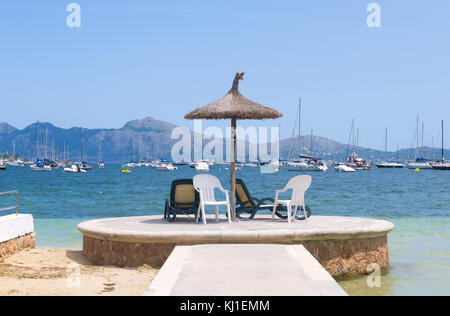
column 151, row 139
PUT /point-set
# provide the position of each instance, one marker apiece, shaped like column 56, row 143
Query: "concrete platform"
column 16, row 234
column 343, row 245
column 243, row 270
column 13, row 226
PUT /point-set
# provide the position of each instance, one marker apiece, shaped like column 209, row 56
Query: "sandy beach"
column 61, row 272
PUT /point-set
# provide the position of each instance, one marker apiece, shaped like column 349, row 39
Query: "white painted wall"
column 12, row 226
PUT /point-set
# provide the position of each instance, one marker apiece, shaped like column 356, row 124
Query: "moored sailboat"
column 39, row 165
column 388, row 164
column 353, row 160
column 418, row 163
column 344, row 168
column 442, row 165
column 74, row 169
column 305, row 162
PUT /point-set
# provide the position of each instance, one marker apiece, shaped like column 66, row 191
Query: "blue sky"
column 132, row 59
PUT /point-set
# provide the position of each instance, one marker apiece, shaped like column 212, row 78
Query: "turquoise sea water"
column 417, row 203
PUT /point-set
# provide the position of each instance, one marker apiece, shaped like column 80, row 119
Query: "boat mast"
column 292, row 150
column 279, row 128
column 349, row 139
column 140, row 149
column 397, row 153
column 417, row 137
column 357, row 140
column 353, row 140
column 37, row 140
column 442, row 123
column 299, row 126
column 385, row 145
column 312, row 142
column 46, row 145
column 82, row 143
column 99, row 150
column 423, row 132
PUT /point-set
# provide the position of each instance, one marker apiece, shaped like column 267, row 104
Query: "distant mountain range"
column 151, row 138
column 330, row 149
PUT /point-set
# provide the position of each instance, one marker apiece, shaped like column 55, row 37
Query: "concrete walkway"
column 243, row 270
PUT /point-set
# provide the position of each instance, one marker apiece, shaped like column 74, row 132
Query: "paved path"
column 243, row 270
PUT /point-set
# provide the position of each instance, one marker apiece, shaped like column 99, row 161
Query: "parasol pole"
column 233, row 169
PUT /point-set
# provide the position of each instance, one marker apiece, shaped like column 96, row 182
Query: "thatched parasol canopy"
column 234, row 106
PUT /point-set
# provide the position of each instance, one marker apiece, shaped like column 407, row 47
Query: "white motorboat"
column 155, row 163
column 41, row 167
column 389, row 165
column 74, row 169
column 419, row 165
column 275, row 163
column 14, row 163
column 165, row 167
column 344, row 168
column 202, row 166
column 2, row 165
column 307, row 163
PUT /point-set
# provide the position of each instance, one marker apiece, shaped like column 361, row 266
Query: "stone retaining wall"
column 345, row 259
column 126, row 254
column 341, row 258
column 10, row 247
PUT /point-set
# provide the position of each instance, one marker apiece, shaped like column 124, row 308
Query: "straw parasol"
column 234, row 106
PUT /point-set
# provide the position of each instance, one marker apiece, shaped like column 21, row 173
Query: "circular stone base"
column 345, row 246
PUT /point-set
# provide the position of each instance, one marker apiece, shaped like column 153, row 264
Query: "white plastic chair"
column 298, row 185
column 205, row 184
